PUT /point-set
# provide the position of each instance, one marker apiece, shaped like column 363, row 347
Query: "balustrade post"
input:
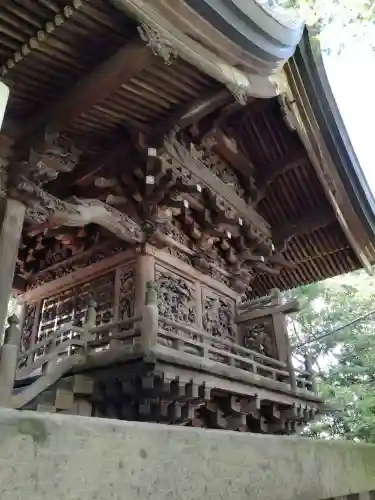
column 150, row 318
column 9, row 360
column 289, row 363
column 310, row 370
column 90, row 319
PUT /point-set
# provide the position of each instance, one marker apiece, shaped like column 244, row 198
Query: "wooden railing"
column 139, row 332
column 48, row 356
column 193, row 341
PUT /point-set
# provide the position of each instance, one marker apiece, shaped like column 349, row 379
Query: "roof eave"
column 321, row 128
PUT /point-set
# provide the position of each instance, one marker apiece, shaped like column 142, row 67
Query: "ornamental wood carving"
column 259, row 338
column 28, row 325
column 176, row 298
column 55, row 155
column 188, row 166
column 43, row 207
column 126, row 292
column 71, row 306
column 218, row 316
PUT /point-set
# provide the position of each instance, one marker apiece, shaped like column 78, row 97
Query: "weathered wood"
column 206, row 178
column 149, row 323
column 187, row 114
column 12, row 214
column 144, row 272
column 217, row 340
column 81, row 213
column 269, row 173
column 19, row 284
column 50, row 338
column 77, row 277
column 287, row 308
column 104, row 163
column 310, row 370
column 227, row 148
column 128, row 61
column 42, row 383
column 302, row 225
column 8, row 361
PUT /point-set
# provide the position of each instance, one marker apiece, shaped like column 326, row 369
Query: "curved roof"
column 343, row 178
column 241, row 43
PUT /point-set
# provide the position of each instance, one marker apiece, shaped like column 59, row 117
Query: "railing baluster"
column 90, row 319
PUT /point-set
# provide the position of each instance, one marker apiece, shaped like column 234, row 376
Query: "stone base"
column 153, row 389
column 46, row 456
column 70, row 395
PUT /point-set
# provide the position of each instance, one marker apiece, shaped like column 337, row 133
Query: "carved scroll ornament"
column 55, row 154
column 43, row 207
column 159, row 44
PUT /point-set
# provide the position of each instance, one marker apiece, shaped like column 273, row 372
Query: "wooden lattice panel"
column 71, row 306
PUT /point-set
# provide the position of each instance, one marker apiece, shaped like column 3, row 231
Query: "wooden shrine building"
column 167, row 169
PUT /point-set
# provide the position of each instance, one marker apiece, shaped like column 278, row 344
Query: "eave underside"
column 49, row 85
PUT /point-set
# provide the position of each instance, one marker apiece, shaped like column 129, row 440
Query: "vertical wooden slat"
column 117, row 292
column 35, row 330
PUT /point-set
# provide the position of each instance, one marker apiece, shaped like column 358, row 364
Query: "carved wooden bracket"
column 43, row 207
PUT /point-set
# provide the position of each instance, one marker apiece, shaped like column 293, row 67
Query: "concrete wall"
column 76, row 458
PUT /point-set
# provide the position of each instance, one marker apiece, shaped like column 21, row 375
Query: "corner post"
column 284, row 351
column 310, row 370
column 150, row 318
column 12, row 214
column 9, row 361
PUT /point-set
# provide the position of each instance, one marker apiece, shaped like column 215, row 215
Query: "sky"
column 352, row 78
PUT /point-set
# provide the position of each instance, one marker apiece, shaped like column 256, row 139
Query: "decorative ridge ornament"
column 159, row 44
column 239, row 93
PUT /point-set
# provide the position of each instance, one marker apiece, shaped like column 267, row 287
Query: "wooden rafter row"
column 128, row 61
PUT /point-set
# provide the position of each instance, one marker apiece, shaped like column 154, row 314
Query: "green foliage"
column 345, row 360
column 337, row 21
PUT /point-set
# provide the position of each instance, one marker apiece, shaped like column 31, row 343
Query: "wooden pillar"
column 144, row 272
column 280, row 328
column 150, row 318
column 8, row 361
column 309, row 368
column 12, row 214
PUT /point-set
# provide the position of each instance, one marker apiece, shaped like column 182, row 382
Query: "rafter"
column 267, row 175
column 128, row 61
column 302, row 225
column 184, row 115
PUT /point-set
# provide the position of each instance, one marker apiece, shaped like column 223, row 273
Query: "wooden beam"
column 205, row 178
column 127, row 62
column 302, row 225
column 182, row 116
column 19, row 284
column 104, row 162
column 288, row 308
column 227, row 148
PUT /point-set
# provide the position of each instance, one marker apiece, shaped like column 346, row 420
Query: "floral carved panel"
column 218, row 315
column 126, row 292
column 176, row 299
column 28, row 324
column 260, row 338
